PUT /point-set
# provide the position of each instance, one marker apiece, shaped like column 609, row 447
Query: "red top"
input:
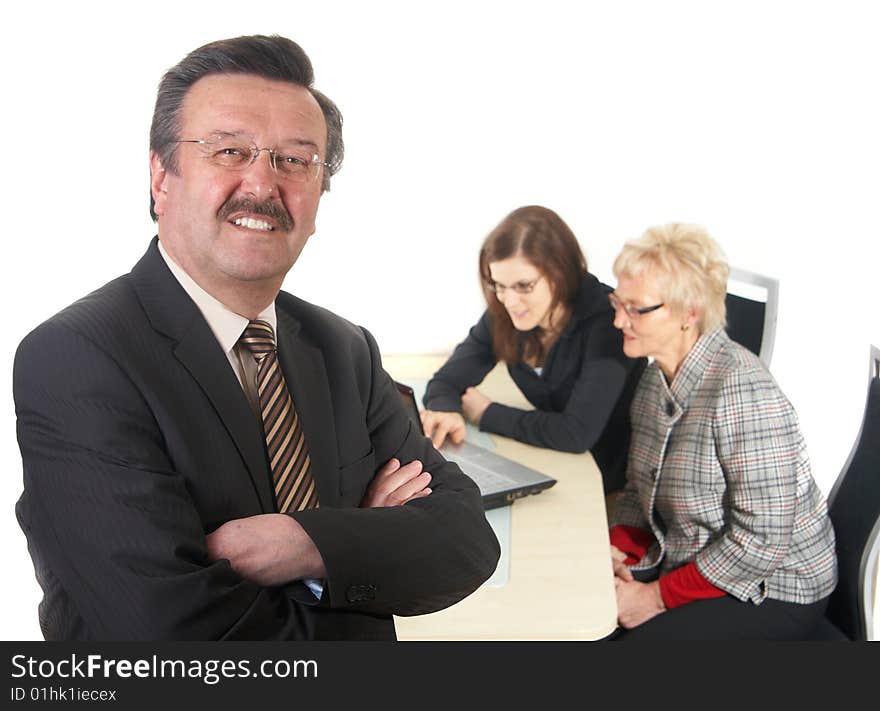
column 682, row 585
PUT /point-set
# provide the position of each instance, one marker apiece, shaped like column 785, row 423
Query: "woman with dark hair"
column 549, row 320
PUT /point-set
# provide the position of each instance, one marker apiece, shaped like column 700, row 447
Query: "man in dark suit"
column 206, row 457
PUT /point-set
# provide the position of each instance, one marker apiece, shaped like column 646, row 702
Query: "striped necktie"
column 285, row 442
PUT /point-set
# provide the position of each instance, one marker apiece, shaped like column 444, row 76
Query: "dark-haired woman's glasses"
column 631, row 310
column 521, row 287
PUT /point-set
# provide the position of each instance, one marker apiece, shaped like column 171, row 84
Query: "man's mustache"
column 269, row 208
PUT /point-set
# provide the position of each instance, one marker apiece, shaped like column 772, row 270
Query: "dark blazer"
column 137, row 440
column 581, row 397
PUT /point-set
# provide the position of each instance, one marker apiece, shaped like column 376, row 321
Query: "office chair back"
column 854, row 506
column 751, row 314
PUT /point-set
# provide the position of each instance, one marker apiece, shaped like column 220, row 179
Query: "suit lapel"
column 200, row 357
column 306, row 378
column 173, row 313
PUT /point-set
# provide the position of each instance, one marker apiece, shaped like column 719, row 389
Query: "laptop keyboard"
column 487, row 479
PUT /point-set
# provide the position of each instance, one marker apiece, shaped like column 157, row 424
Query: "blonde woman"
column 720, row 531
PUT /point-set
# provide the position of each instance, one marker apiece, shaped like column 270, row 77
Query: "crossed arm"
column 118, row 531
column 274, row 549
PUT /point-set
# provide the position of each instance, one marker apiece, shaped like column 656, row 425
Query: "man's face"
column 230, row 228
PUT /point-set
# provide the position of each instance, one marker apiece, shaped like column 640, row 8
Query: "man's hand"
column 394, row 485
column 474, row 404
column 267, row 549
column 440, row 425
column 637, row 602
column 621, row 569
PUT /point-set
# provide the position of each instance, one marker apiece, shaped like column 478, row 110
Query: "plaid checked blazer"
column 718, row 472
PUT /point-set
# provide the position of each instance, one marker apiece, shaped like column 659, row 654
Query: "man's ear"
column 158, row 183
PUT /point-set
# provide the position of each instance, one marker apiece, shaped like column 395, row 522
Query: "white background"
column 758, row 120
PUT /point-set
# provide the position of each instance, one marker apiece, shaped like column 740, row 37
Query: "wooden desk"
column 561, row 585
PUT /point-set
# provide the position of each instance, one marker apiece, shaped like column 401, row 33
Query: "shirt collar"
column 226, row 325
column 694, row 365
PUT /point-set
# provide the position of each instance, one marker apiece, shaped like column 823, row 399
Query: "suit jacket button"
column 670, row 408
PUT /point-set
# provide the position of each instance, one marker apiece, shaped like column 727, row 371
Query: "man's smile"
column 253, row 224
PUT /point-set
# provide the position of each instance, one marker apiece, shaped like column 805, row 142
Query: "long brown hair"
column 540, row 236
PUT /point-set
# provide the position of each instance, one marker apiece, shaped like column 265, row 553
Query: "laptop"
column 502, row 481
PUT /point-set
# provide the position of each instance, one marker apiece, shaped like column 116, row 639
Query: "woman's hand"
column 637, row 602
column 621, row 569
column 474, row 404
column 440, row 425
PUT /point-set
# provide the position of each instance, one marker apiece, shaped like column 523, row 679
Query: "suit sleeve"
column 108, row 519
column 595, row 393
column 411, row 559
column 469, row 363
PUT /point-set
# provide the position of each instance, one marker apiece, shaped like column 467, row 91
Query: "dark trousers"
column 726, row 618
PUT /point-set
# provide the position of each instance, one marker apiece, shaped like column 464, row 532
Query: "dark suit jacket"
column 137, row 441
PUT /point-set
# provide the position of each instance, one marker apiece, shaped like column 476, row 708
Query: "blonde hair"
column 689, row 267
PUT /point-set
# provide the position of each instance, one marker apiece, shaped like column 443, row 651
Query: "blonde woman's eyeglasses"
column 631, row 310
